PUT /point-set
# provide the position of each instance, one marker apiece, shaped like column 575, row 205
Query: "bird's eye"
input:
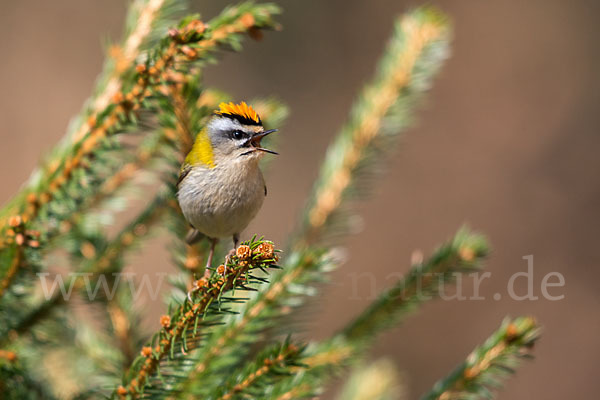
column 238, row 135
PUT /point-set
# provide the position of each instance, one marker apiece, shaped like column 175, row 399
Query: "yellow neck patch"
column 201, row 153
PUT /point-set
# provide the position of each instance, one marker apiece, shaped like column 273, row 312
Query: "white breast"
column 221, row 201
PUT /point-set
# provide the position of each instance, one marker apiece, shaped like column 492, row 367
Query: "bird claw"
column 229, row 256
column 192, row 290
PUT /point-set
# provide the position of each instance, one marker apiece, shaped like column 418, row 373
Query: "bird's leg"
column 213, row 243
column 236, row 241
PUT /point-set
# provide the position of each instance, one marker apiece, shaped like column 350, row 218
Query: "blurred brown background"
column 506, row 142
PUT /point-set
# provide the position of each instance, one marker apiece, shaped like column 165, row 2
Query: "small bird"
column 221, row 187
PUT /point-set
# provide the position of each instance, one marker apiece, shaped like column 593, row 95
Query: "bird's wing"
column 185, row 170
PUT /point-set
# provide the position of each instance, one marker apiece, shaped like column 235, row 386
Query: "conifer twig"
column 100, row 261
column 180, row 328
column 193, row 41
column 465, row 252
column 417, row 48
column 259, row 313
column 415, row 53
column 485, row 368
column 274, row 362
column 144, row 19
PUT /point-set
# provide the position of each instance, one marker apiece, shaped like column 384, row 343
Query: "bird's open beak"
column 255, row 141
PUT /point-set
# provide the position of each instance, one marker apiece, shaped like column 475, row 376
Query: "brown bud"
column 140, row 229
column 255, row 33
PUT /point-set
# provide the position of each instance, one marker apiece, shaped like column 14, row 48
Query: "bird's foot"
column 229, row 256
column 191, row 291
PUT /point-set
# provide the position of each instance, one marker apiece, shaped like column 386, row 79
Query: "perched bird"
column 221, row 187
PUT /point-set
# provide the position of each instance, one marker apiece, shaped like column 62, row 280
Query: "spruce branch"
column 228, row 345
column 145, row 20
column 17, row 383
column 489, row 364
column 269, row 366
column 465, row 252
column 104, row 259
column 193, row 41
column 418, row 47
column 75, row 230
column 413, row 56
column 182, row 329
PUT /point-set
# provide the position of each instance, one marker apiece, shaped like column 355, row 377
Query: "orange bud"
column 118, row 97
column 15, row 221
column 165, row 321
column 466, row 253
column 146, row 351
column 470, row 373
column 265, row 250
column 243, row 252
column 511, row 331
column 200, row 283
column 247, row 20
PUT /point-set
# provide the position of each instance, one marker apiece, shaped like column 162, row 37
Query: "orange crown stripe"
column 242, row 110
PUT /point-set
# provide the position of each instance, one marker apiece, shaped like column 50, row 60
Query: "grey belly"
column 220, row 210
